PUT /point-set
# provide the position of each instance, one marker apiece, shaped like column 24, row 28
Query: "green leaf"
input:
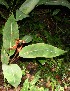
column 28, row 6
column 10, row 33
column 55, row 12
column 31, row 85
column 20, row 15
column 12, row 73
column 35, row 88
column 27, row 38
column 3, row 2
column 55, row 2
column 25, row 85
column 40, row 50
column 42, row 61
column 4, row 56
column 47, row 89
column 36, row 78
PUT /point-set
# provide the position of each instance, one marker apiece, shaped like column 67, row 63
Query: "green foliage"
column 4, row 56
column 25, row 9
column 36, row 78
column 3, row 2
column 28, row 6
column 55, row 12
column 20, row 15
column 55, row 2
column 10, row 34
column 12, row 73
column 26, row 85
column 30, row 86
column 59, row 88
column 42, row 61
column 27, row 38
column 40, row 50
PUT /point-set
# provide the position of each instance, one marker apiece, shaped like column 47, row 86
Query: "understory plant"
column 14, row 46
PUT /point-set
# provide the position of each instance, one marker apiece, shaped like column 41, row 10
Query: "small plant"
column 14, row 46
column 31, row 51
column 30, row 85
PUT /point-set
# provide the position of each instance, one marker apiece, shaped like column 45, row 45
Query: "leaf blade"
column 10, row 33
column 27, row 38
column 20, row 15
column 55, row 2
column 40, row 50
column 28, row 6
column 12, row 73
column 4, row 56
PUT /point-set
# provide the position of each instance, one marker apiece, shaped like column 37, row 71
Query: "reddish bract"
column 17, row 42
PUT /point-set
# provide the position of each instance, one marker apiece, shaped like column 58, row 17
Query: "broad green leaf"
column 20, row 15
column 4, row 56
column 12, row 73
column 28, row 6
column 10, row 33
column 3, row 2
column 40, row 50
column 27, row 38
column 55, row 2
